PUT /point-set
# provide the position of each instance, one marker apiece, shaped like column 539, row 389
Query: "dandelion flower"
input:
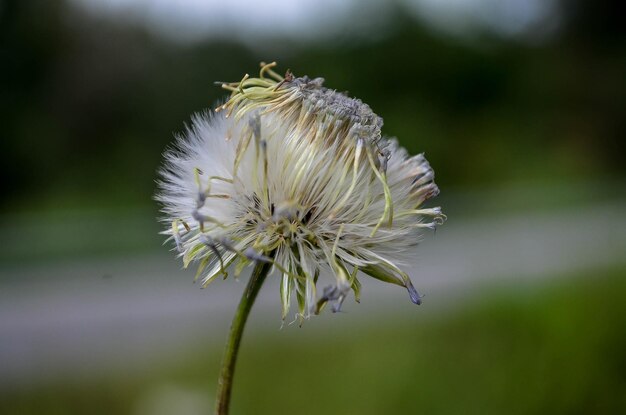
column 297, row 176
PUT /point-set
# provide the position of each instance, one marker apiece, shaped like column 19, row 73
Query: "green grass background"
column 558, row 347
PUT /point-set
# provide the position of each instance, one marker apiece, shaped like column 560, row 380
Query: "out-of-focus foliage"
column 88, row 105
column 551, row 350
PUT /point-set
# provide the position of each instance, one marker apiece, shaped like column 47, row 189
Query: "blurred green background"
column 519, row 106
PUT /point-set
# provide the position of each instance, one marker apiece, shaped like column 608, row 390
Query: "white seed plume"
column 297, row 175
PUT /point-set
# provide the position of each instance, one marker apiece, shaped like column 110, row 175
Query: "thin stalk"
column 225, row 382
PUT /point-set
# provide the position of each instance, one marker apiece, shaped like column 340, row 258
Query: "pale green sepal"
column 286, row 288
column 380, row 273
column 192, row 253
column 355, row 284
column 301, row 297
column 203, row 263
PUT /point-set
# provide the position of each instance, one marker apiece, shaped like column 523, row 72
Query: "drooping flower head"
column 292, row 173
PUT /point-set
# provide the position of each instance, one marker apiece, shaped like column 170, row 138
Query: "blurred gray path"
column 77, row 318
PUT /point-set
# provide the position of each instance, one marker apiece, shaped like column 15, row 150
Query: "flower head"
column 294, row 174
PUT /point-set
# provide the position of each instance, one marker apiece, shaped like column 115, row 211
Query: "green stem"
column 225, row 382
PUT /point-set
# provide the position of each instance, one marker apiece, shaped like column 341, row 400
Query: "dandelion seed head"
column 292, row 173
